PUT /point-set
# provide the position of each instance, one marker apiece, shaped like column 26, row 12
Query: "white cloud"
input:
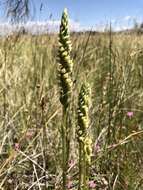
column 125, row 23
column 127, row 18
column 38, row 27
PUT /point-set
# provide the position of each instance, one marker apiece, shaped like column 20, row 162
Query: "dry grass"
column 30, row 111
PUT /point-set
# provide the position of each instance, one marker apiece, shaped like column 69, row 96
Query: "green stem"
column 84, row 171
column 82, row 168
column 64, row 147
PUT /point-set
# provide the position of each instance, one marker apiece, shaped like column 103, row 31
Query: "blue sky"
column 89, row 13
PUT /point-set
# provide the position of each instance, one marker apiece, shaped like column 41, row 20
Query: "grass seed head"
column 83, row 121
column 65, row 62
column 83, row 106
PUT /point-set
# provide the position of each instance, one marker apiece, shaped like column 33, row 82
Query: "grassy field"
column 30, row 111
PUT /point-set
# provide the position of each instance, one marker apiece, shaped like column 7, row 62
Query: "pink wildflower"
column 16, row 146
column 69, row 184
column 92, row 184
column 130, row 114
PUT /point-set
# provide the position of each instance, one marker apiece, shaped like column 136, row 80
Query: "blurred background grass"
column 30, row 111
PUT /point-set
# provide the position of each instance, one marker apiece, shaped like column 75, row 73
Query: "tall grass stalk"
column 83, row 137
column 65, row 83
